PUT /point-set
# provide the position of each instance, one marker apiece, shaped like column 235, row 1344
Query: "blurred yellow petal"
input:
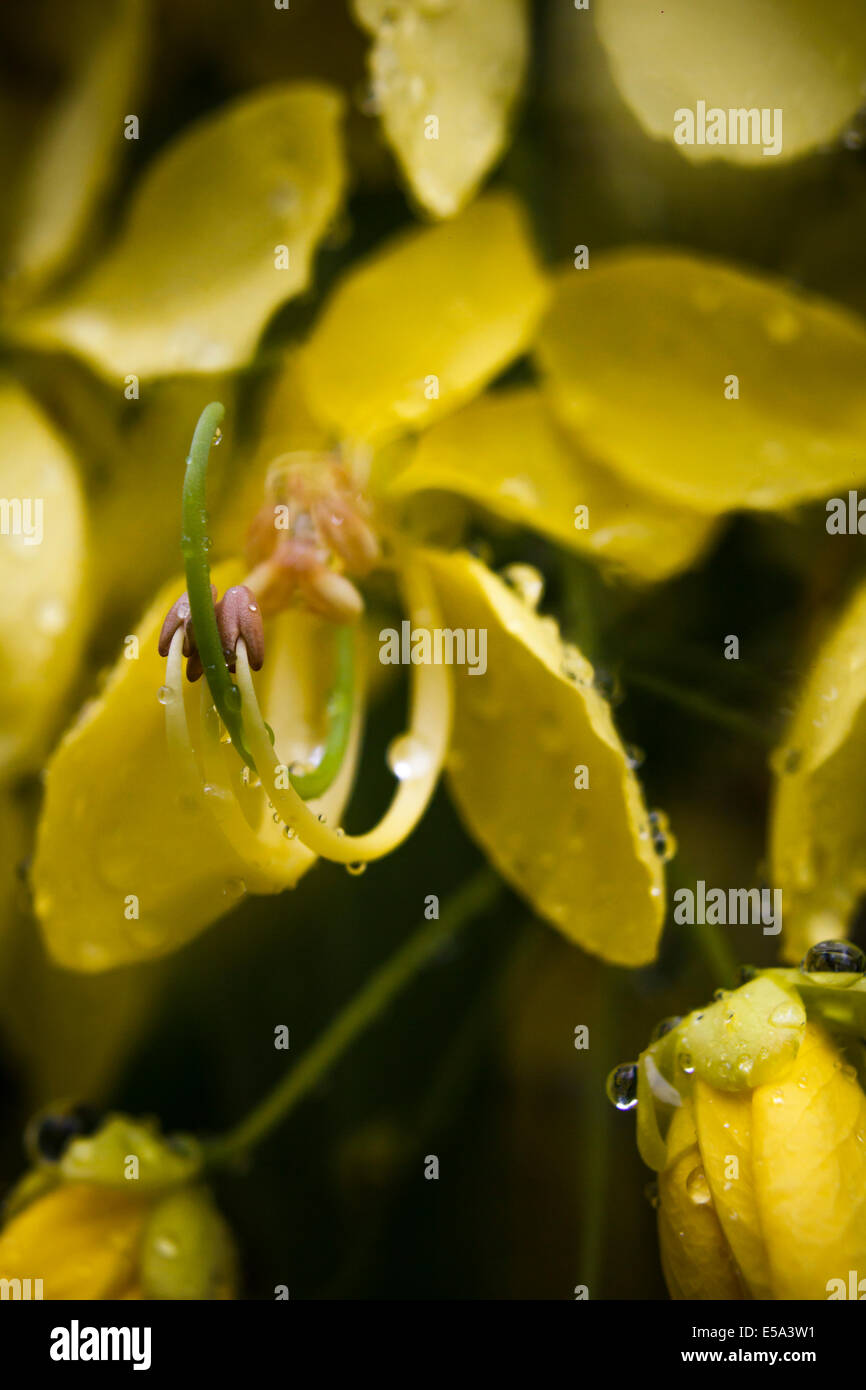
column 423, row 324
column 695, row 1256
column 802, row 58
column 444, row 77
column 78, row 149
column 818, row 819
column 506, row 453
column 222, row 231
column 583, row 857
column 130, row 863
column 640, row 351
column 809, row 1151
column 42, row 573
column 81, row 1240
column 724, row 1127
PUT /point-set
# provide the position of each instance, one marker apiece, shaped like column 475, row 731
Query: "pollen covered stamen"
column 239, row 616
column 179, row 618
column 313, row 533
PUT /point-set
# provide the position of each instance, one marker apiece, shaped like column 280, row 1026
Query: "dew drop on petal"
column 408, row 757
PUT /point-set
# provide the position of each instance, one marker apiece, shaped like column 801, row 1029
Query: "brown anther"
column 239, row 616
column 179, row 616
column 339, row 522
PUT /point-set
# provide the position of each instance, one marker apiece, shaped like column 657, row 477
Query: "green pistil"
column 313, row 784
column 195, row 545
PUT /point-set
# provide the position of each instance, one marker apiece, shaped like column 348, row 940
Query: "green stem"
column 701, row 705
column 315, row 783
column 473, row 898
column 195, row 547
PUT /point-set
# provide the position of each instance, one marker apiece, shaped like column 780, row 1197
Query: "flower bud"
column 753, row 1113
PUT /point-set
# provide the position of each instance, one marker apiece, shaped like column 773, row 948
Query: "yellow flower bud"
column 753, row 1112
column 120, row 1213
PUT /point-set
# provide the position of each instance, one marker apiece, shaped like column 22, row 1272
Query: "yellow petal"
column 818, row 819
column 803, row 58
column 639, row 353
column 81, row 143
column 444, row 77
column 423, row 324
column 695, row 1256
column 809, row 1153
column 83, row 1241
column 120, row 831
column 724, row 1127
column 42, row 564
column 583, row 858
column 197, row 270
column 506, row 453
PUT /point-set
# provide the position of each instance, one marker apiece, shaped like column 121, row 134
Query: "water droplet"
column 834, row 957
column 720, row 994
column 357, row 868
column 250, row 778
column 651, row 1192
column 51, row 616
column 167, row 1249
column 685, row 1063
column 527, row 582
column 697, row 1187
column 664, row 843
column 289, row 832
column 665, row 1026
column 165, row 695
column 234, row 888
column 407, row 757
column 322, row 818
column 217, row 437
column 783, row 326
column 745, row 973
column 634, row 756
column 622, row 1086
column 788, row 1015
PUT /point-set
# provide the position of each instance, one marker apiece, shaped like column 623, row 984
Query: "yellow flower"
column 752, row 1111
column 164, row 301
column 113, row 1211
column 818, row 819
column 144, row 839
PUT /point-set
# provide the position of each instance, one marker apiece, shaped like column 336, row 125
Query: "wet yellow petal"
column 222, row 230
column 42, row 564
column 78, row 149
column 639, row 352
column 804, row 58
column 695, row 1256
column 425, row 323
column 444, row 77
column 724, row 1127
column 809, row 1149
column 120, row 832
column 583, row 857
column 83, row 1241
column 506, row 453
column 818, row 819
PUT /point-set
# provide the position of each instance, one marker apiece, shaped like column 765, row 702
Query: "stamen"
column 430, row 726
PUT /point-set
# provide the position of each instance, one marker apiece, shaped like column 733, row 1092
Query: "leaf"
column 638, row 353
column 582, row 857
column 506, row 453
column 804, row 59
column 194, row 276
column 444, row 77
column 818, row 817
column 424, row 324
column 43, row 565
